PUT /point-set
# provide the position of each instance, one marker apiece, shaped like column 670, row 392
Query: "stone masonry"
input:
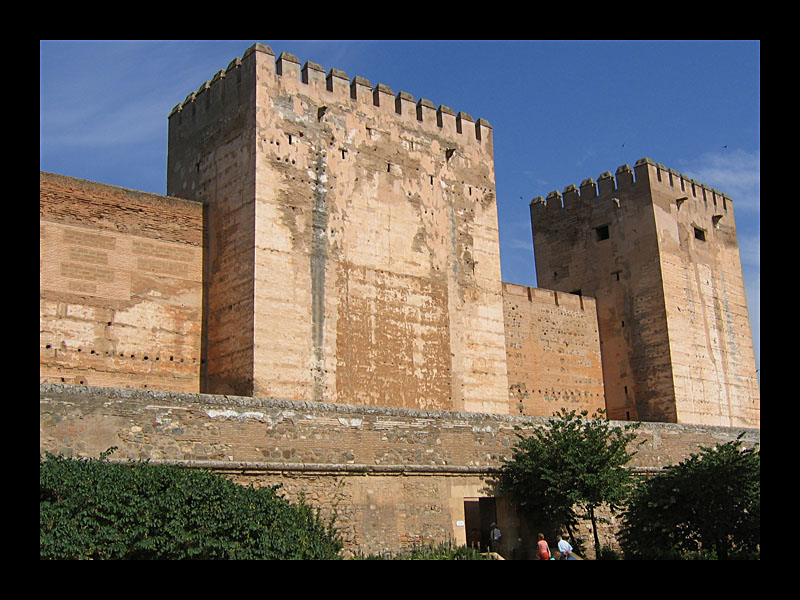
column 393, row 476
column 352, row 239
column 120, row 278
column 317, row 303
column 658, row 252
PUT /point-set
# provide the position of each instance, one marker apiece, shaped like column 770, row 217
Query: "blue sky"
column 561, row 111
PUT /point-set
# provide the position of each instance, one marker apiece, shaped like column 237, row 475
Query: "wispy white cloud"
column 105, row 95
column 736, row 173
column 101, row 125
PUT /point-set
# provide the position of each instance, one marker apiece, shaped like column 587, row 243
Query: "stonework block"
column 120, row 285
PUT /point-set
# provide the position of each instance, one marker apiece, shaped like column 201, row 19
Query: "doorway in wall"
column 479, row 514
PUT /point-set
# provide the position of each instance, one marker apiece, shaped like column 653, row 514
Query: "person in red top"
column 544, row 549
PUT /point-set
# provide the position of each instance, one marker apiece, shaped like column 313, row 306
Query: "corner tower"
column 352, row 247
column 658, row 252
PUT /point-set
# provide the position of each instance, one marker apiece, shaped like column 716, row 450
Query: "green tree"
column 709, row 505
column 572, row 463
column 95, row 509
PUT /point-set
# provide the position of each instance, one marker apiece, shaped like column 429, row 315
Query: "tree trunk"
column 594, row 532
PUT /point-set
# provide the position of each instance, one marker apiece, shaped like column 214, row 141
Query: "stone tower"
column 352, row 245
column 659, row 253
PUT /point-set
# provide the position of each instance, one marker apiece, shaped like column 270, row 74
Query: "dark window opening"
column 601, row 232
column 699, row 234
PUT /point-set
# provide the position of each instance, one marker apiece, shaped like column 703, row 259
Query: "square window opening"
column 699, row 234
column 601, row 233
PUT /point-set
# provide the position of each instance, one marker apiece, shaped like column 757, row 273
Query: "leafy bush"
column 441, row 551
column 94, row 509
column 608, row 553
column 706, row 507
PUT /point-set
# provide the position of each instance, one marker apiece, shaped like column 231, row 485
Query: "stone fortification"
column 553, row 351
column 658, row 251
column 317, row 302
column 120, row 277
column 395, row 476
column 353, row 251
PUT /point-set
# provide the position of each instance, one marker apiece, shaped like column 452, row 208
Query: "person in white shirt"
column 564, row 547
column 494, row 538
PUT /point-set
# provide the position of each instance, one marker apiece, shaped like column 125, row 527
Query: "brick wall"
column 553, row 351
column 120, row 276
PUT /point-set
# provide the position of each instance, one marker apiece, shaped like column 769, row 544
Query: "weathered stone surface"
column 553, row 351
column 659, row 255
column 120, row 277
column 394, row 476
column 326, row 270
column 353, row 250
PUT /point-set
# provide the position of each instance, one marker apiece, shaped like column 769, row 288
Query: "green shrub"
column 705, row 507
column 608, row 553
column 441, row 551
column 93, row 509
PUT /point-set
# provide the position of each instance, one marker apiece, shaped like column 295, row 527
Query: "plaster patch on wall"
column 239, row 416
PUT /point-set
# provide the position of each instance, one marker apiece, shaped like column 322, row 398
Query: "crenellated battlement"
column 686, row 185
column 626, row 179
column 589, row 189
column 357, row 91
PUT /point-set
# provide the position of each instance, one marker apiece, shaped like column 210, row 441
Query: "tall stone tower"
column 659, row 253
column 352, row 245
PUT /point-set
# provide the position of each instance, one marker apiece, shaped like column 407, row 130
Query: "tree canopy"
column 573, row 463
column 708, row 506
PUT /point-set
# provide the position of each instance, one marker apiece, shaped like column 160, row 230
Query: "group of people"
column 564, row 549
column 543, row 548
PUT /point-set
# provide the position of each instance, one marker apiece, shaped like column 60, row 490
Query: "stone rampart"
column 658, row 252
column 394, row 476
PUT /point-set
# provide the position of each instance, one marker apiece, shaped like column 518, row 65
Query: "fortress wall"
column 394, row 476
column 709, row 326
column 667, row 277
column 553, row 351
column 372, row 236
column 120, row 275
column 211, row 159
column 600, row 239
